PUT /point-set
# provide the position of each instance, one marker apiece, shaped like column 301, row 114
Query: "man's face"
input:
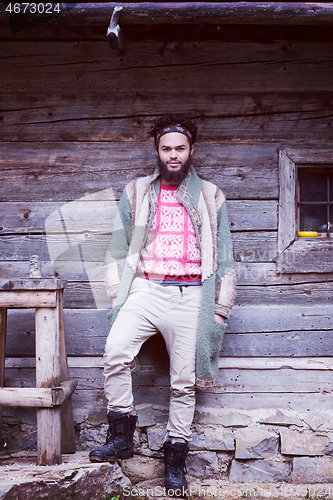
column 174, row 157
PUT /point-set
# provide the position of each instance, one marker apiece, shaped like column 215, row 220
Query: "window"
column 305, row 206
column 315, row 201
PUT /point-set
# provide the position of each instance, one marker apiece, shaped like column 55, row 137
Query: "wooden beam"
column 93, row 18
column 3, row 329
column 230, row 362
column 62, row 393
column 48, row 375
column 27, row 396
column 37, row 397
column 97, row 13
column 32, row 284
column 222, row 13
column 68, row 387
column 27, row 299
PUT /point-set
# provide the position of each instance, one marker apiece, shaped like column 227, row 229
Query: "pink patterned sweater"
column 171, row 248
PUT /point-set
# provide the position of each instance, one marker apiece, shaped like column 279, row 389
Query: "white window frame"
column 298, row 254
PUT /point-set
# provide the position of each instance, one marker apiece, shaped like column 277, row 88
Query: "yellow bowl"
column 309, row 234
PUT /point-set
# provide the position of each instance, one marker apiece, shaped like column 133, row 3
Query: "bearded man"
column 170, row 270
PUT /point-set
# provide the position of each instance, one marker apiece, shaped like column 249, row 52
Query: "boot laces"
column 179, row 464
column 110, row 435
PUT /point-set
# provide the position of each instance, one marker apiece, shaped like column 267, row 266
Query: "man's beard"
column 174, row 176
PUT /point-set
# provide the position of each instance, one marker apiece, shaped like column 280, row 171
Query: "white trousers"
column 148, row 309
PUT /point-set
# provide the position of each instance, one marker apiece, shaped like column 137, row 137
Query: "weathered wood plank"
column 146, row 373
column 27, row 299
column 305, row 254
column 85, row 402
column 47, row 347
column 300, row 329
column 39, row 172
column 98, row 216
column 274, row 318
column 235, row 380
column 304, row 293
column 252, row 401
column 87, row 328
column 229, row 380
column 34, row 397
column 248, row 273
column 31, row 284
column 255, row 246
column 60, row 395
column 228, row 66
column 259, row 116
column 142, row 13
column 287, row 206
column 20, row 269
column 3, row 332
column 75, row 216
column 82, row 246
column 293, row 343
column 92, row 395
column 90, row 295
column 67, row 387
column 285, row 343
column 48, row 375
column 258, row 246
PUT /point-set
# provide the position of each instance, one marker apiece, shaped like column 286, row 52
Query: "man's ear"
column 192, row 149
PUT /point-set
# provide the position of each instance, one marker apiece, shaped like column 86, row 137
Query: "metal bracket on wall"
column 114, row 33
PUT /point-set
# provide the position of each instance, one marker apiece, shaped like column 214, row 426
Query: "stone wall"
column 239, row 446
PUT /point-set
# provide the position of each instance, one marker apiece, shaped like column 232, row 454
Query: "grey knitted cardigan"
column 206, row 206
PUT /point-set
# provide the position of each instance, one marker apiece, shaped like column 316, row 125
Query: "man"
column 171, row 268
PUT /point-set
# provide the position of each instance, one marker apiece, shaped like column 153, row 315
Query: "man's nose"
column 173, row 154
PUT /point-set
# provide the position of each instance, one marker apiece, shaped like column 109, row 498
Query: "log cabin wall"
column 75, row 117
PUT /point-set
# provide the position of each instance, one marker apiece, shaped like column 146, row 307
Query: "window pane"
column 313, row 218
column 313, row 186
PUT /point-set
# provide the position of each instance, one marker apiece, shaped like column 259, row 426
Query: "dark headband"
column 173, row 128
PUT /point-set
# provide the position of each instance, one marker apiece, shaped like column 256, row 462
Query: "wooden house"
column 76, row 109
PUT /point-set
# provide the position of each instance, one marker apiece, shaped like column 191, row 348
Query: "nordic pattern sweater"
column 205, row 204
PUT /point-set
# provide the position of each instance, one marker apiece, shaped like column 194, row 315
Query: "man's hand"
column 219, row 319
column 113, row 302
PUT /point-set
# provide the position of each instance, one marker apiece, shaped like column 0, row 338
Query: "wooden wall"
column 74, row 122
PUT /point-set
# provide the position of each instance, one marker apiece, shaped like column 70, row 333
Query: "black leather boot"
column 119, row 438
column 174, row 461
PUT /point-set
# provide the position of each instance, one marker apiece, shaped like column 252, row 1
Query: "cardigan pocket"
column 217, row 337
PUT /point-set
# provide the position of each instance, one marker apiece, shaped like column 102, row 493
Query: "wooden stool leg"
column 48, row 375
column 3, row 326
column 67, row 422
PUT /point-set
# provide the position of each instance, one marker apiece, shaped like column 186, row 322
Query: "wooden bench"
column 52, row 394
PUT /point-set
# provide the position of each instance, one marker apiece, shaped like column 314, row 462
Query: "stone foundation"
column 238, row 447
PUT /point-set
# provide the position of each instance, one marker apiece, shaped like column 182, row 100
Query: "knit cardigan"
column 206, row 207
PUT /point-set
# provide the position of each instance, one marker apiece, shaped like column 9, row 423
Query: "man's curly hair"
column 174, row 119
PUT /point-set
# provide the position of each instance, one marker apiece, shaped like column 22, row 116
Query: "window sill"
column 307, row 255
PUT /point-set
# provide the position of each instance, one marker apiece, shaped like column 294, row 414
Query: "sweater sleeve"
column 119, row 245
column 226, row 270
